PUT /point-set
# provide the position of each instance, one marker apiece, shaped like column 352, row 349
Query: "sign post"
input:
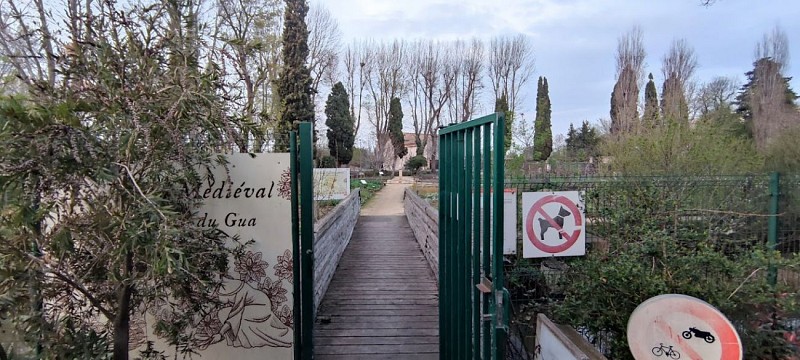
column 553, row 224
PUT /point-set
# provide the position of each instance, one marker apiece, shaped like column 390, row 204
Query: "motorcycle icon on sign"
column 705, row 335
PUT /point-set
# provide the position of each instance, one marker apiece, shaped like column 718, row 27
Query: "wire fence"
column 736, row 215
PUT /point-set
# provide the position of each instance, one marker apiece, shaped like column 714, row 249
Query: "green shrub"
column 327, row 161
column 368, row 188
column 415, row 163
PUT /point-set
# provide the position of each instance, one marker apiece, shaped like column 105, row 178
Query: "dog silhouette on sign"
column 544, row 224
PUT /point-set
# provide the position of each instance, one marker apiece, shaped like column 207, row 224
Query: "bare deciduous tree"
column 630, row 74
column 774, row 45
column 386, row 74
column 469, row 63
column 511, row 64
column 324, row 42
column 433, row 69
column 677, row 67
column 714, row 95
column 27, row 43
column 355, row 60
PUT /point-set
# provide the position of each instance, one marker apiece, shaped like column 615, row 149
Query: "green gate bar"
column 301, row 169
column 472, row 298
column 297, row 304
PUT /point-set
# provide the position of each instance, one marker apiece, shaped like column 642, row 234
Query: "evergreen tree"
column 340, row 124
column 543, row 133
column 744, row 100
column 572, row 141
column 294, row 85
column 650, row 104
column 582, row 144
column 396, row 128
column 501, row 105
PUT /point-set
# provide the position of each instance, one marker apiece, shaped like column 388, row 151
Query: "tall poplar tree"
column 294, row 85
column 341, row 133
column 543, row 132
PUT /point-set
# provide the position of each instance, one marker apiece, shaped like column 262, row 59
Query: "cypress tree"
column 501, row 105
column 396, row 128
column 340, row 124
column 650, row 118
column 543, row 133
column 294, row 85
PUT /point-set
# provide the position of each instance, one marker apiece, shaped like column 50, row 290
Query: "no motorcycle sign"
column 553, row 224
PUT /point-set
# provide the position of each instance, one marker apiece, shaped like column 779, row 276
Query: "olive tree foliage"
column 247, row 46
column 677, row 67
column 100, row 160
column 630, row 71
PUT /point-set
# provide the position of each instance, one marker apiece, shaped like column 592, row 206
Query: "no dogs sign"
column 553, row 224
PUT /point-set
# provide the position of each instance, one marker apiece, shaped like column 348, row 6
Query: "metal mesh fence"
column 729, row 213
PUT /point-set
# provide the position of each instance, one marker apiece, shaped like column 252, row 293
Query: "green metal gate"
column 473, row 304
column 301, row 169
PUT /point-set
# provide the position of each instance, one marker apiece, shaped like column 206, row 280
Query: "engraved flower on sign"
column 287, row 316
column 284, row 267
column 275, row 292
column 251, row 267
column 285, row 185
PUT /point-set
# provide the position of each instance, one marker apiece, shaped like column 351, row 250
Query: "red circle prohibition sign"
column 538, row 208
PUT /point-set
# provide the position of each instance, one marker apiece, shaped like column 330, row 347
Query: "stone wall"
column 424, row 221
column 331, row 236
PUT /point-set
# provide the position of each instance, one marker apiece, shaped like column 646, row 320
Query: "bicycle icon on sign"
column 663, row 350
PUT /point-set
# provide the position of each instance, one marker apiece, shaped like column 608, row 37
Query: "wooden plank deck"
column 382, row 302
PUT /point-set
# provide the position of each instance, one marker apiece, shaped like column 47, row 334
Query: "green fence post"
column 307, row 238
column 772, row 236
column 498, row 184
column 444, row 247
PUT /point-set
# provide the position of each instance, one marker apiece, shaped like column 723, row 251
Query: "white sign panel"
column 509, row 220
column 331, row 184
column 553, row 224
column 674, row 326
column 254, row 321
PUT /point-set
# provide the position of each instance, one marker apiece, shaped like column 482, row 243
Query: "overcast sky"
column 575, row 40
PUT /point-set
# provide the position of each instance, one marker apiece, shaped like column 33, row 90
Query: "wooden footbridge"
column 376, row 295
column 382, row 301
